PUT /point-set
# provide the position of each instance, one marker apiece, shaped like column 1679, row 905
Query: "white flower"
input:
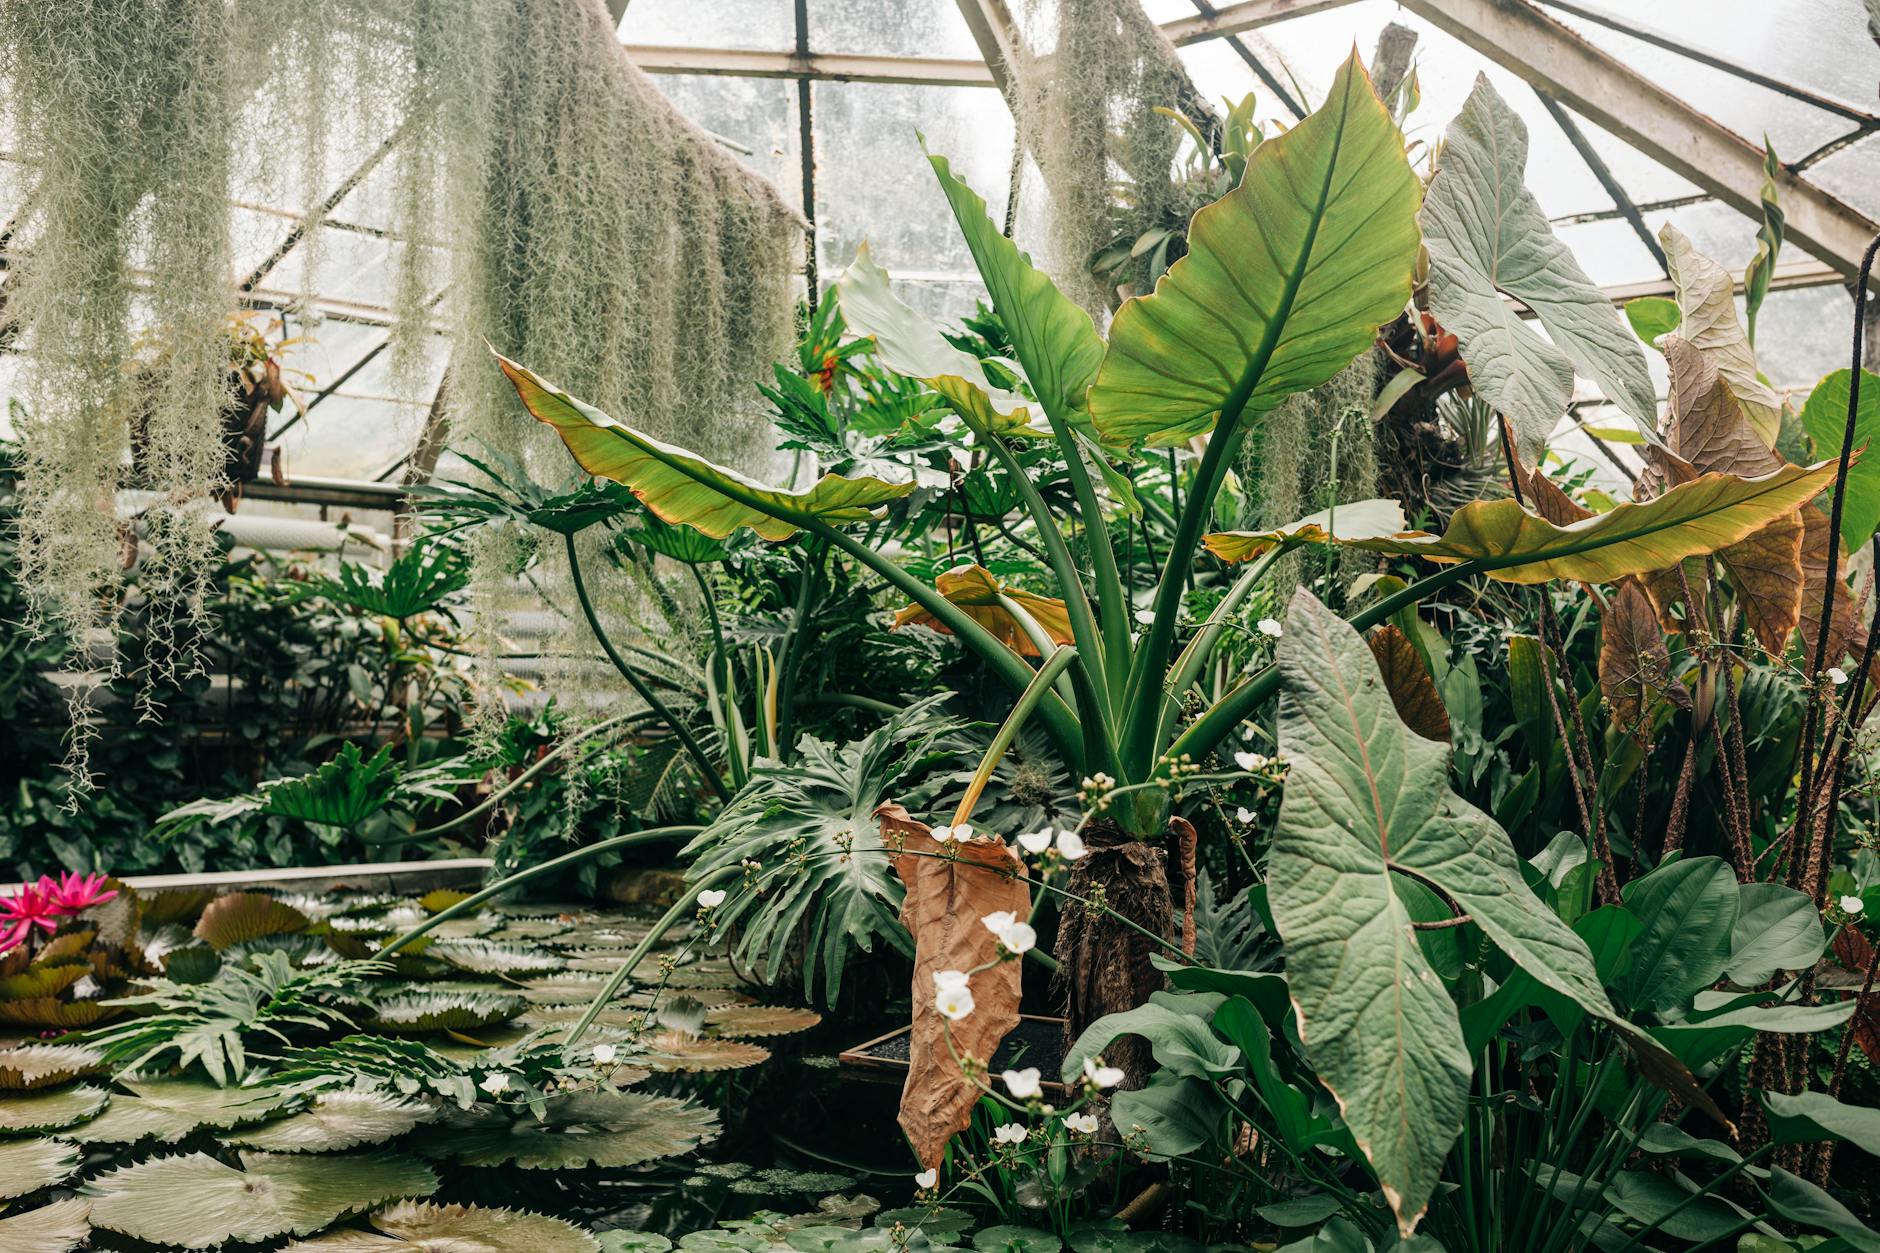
column 1271, row 626
column 944, row 979
column 955, row 1000
column 961, row 833
column 1145, row 616
column 1852, row 905
column 1836, row 675
column 926, row 1179
column 1248, row 761
column 494, row 1082
column 1071, row 845
column 1243, row 815
column 1082, row 1124
column 1246, row 732
column 1022, row 1084
column 1018, row 939
column 1010, row 1133
column 1000, row 922
column 941, row 835
column 711, row 898
column 604, row 1054
column 1101, row 1075
column 1035, row 841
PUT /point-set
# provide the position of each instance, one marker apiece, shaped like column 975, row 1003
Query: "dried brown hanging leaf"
column 946, row 898
column 1407, row 678
column 1634, row 664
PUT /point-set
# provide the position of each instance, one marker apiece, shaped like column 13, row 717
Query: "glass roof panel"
column 767, row 24
column 910, row 28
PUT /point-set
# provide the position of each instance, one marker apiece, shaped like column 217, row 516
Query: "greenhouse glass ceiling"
column 1631, row 125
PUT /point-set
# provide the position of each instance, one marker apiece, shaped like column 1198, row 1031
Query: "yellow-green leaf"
column 988, row 602
column 681, row 488
column 1286, row 280
column 1361, row 519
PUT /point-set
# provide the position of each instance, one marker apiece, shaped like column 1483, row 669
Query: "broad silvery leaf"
column 1487, row 237
column 1707, row 309
column 1367, row 802
column 1287, row 278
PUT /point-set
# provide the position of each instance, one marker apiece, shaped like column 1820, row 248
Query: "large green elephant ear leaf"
column 1367, row 806
column 1053, row 337
column 684, row 489
column 1488, row 237
column 1286, row 280
column 1516, row 545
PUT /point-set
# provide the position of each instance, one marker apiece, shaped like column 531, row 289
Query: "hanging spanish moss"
column 1085, row 87
column 125, row 109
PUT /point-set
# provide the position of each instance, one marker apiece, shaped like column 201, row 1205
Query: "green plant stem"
column 707, row 768
column 1008, row 731
column 791, row 660
column 1188, row 666
column 477, row 899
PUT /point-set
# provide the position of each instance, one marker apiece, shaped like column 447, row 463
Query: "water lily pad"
column 242, row 917
column 437, row 900
column 612, row 1129
column 491, row 957
column 565, row 989
column 568, row 1015
column 532, row 929
column 50, row 1108
column 174, row 905
column 29, row 1165
column 198, row 1202
column 169, row 1109
column 54, row 1228
column 757, row 1021
column 421, row 1227
column 419, row 1013
column 42, row 1065
column 672, row 1050
column 1008, row 1239
column 606, row 938
column 709, row 974
column 337, row 1120
column 633, row 1242
column 777, row 1180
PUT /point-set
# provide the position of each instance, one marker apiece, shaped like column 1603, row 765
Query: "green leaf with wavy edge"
column 1286, row 280
column 55, row 1228
column 420, row 1013
column 50, row 1109
column 1801, row 1202
column 199, row 1202
column 1777, row 928
column 1824, row 416
column 1487, row 238
column 169, row 1109
column 421, row 1227
column 1361, row 519
column 1054, row 339
column 1688, row 910
column 1806, row 1117
column 337, row 1120
column 1367, row 800
column 32, row 1066
column 576, row 1129
column 29, row 1165
column 685, row 489
column 1513, row 544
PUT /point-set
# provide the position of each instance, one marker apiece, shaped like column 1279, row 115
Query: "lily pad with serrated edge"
column 169, row 1109
column 673, row 1051
column 566, row 989
column 42, row 1065
column 336, row 1120
column 611, row 1129
column 568, row 1015
column 490, row 957
column 532, row 930
column 758, row 1021
column 422, row 1013
column 704, row 975
column 604, row 939
column 421, row 1227
column 243, row 917
column 29, row 1165
column 634, row 1242
column 54, row 1228
column 199, row 1202
column 50, row 1109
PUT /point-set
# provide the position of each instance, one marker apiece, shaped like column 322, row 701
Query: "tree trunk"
column 1104, row 966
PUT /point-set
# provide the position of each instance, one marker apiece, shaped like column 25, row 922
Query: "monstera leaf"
column 1287, row 278
column 1487, row 237
column 990, row 603
column 682, row 488
column 29, row 1165
column 49, row 1109
column 198, row 1202
column 1824, row 414
column 337, row 1120
column 1367, row 807
column 1707, row 318
column 41, row 1065
column 54, row 1228
column 169, row 1109
column 576, row 1129
column 422, row 578
column 421, row 1227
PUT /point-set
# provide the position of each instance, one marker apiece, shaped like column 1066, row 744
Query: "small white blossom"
column 1836, row 675
column 1082, row 1124
column 941, row 835
column 711, row 898
column 999, row 922
column 943, row 979
column 1101, row 1075
column 954, row 1001
column 1271, row 626
column 1035, row 841
column 1022, row 1084
column 1250, row 761
column 494, row 1082
column 1010, row 1133
column 1852, row 905
column 1145, row 616
column 604, row 1054
column 926, row 1179
column 1246, row 732
column 1018, row 939
column 1070, row 845
column 1243, row 815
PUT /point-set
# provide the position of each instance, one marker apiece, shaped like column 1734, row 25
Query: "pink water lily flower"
column 75, row 891
column 30, row 906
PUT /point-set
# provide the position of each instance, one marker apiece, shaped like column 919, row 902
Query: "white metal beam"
column 996, row 34
column 1557, row 60
column 833, row 66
